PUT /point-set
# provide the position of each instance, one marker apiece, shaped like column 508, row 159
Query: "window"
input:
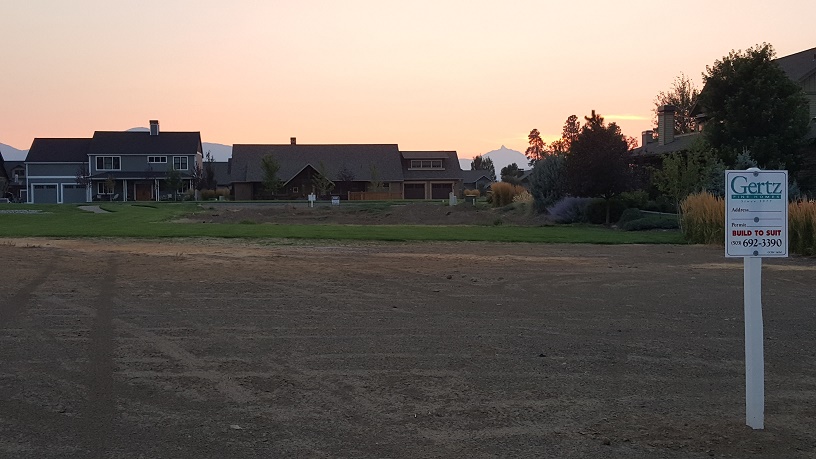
column 426, row 164
column 180, row 163
column 108, row 163
column 157, row 159
column 294, row 190
column 102, row 188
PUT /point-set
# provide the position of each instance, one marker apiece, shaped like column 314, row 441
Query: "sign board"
column 756, row 213
column 312, row 197
column 335, row 200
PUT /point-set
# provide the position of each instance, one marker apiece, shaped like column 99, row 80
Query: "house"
column 12, row 174
column 430, row 174
column 800, row 68
column 51, row 170
column 134, row 166
column 117, row 166
column 357, row 171
column 476, row 180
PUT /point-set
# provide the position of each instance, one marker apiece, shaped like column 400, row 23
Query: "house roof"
column 355, row 158
column 470, row 176
column 222, row 172
column 142, row 143
column 681, row 142
column 800, row 65
column 450, row 162
column 58, row 151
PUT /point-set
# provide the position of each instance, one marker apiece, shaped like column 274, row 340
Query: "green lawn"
column 155, row 221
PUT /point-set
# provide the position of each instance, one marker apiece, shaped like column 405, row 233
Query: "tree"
column 173, row 181
column 82, row 176
column 598, row 163
column 752, row 104
column 536, row 150
column 483, row 163
column 569, row 133
column 270, row 168
column 548, row 180
column 376, row 184
column 511, row 174
column 683, row 95
column 210, row 182
column 345, row 174
column 321, row 182
column 686, row 172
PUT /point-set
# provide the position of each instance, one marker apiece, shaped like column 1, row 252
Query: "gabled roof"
column 470, row 176
column 222, row 172
column 800, row 65
column 142, row 143
column 450, row 162
column 357, row 159
column 58, row 151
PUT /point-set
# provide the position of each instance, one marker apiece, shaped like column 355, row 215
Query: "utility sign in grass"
column 756, row 215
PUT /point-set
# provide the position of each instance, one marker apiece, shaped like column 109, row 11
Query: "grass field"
column 158, row 220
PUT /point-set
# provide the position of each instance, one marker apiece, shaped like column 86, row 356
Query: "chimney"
column 665, row 124
column 646, row 137
column 154, row 127
column 293, row 140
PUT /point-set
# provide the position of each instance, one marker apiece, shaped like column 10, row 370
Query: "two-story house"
column 134, row 166
column 115, row 166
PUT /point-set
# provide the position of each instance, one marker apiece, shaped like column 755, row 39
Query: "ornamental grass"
column 802, row 227
column 702, row 218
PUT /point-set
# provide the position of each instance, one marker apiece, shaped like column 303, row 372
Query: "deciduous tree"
column 511, row 174
column 752, row 104
column 270, row 168
column 683, row 95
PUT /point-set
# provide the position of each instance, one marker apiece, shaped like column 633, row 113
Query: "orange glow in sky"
column 442, row 74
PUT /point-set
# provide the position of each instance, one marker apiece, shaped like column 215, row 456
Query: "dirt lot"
column 210, row 348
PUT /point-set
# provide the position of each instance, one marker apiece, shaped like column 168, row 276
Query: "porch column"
column 124, row 190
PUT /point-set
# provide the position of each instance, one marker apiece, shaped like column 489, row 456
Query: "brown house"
column 356, row 171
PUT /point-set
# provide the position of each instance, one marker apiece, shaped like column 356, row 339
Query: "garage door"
column 440, row 190
column 73, row 193
column 414, row 190
column 45, row 194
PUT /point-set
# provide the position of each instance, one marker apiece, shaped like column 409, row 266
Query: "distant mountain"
column 12, row 154
column 501, row 158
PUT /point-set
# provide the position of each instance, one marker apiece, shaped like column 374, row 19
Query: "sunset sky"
column 442, row 74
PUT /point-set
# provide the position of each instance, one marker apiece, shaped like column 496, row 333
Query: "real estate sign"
column 756, row 213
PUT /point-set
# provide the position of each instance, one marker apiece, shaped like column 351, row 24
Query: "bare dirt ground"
column 211, row 348
column 352, row 214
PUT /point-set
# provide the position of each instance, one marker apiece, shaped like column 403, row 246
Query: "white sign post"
column 756, row 226
column 312, row 199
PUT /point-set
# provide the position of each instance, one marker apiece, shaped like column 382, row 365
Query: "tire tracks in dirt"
column 99, row 412
column 20, row 300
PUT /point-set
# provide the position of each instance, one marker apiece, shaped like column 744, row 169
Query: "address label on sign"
column 756, row 213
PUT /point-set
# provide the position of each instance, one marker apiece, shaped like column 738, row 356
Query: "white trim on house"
column 31, row 191
column 52, row 176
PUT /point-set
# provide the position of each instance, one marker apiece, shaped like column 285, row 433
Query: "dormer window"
column 427, row 164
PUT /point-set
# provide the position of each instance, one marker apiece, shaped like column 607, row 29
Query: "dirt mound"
column 368, row 214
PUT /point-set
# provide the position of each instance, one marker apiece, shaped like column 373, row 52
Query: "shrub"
column 503, row 193
column 802, row 227
column 702, row 218
column 629, row 215
column 596, row 211
column 650, row 222
column 569, row 210
column 524, row 197
column 548, row 180
column 475, row 193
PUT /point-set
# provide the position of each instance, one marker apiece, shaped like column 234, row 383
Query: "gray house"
column 116, row 166
column 134, row 166
column 51, row 170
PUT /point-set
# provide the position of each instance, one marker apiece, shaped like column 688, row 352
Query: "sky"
column 464, row 75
